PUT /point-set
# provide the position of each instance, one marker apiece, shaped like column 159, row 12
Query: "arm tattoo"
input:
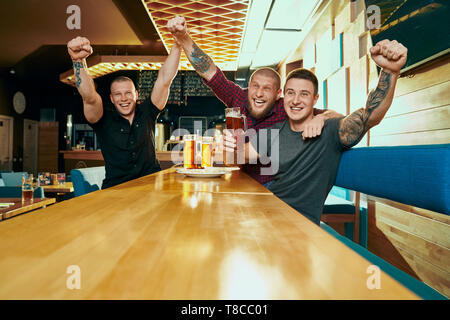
column 200, row 60
column 77, row 65
column 355, row 126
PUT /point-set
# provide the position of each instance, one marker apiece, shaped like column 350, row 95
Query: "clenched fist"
column 79, row 48
column 177, row 26
column 389, row 55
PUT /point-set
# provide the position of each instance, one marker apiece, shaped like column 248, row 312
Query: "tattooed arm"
column 391, row 57
column 79, row 49
column 201, row 62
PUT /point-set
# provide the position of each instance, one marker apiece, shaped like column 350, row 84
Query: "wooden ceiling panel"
column 216, row 25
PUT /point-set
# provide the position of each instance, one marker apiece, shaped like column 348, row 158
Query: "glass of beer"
column 191, row 154
column 207, row 147
column 235, row 120
column 27, row 189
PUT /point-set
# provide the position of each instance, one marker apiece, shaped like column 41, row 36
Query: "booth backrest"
column 13, row 179
column 87, row 180
column 413, row 175
column 16, row 192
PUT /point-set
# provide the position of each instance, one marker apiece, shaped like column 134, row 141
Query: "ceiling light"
column 102, row 65
column 216, row 26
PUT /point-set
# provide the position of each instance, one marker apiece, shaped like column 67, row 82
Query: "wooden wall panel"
column 426, row 120
column 337, row 92
column 414, row 138
column 351, row 39
column 324, row 53
column 428, row 229
column 420, row 112
column 417, row 244
column 342, row 20
column 358, row 84
column 434, row 253
column 435, row 96
column 48, row 147
column 428, row 76
column 309, row 56
column 428, row 273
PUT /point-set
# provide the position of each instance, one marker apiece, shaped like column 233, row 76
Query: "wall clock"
column 19, row 102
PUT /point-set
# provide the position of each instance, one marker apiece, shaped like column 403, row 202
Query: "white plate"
column 202, row 173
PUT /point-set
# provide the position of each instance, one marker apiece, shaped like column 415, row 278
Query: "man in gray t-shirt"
column 305, row 170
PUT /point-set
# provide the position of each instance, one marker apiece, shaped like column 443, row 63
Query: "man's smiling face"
column 263, row 92
column 124, row 97
column 299, row 99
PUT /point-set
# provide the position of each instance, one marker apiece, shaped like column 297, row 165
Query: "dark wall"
column 9, row 85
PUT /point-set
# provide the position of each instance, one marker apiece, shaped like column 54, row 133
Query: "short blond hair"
column 270, row 73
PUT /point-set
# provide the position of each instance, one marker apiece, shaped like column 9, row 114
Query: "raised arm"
column 79, row 49
column 391, row 57
column 166, row 74
column 201, row 62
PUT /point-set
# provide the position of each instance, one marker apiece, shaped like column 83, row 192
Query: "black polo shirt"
column 128, row 150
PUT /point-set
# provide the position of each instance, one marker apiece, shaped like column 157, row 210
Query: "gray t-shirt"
column 307, row 168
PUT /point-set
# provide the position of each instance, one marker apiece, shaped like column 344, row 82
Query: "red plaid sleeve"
column 318, row 111
column 227, row 91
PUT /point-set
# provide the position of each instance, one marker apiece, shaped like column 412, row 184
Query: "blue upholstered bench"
column 414, row 175
column 339, row 209
column 87, row 180
column 16, row 192
column 13, row 179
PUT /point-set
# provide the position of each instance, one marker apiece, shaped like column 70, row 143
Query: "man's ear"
column 137, row 94
column 279, row 93
column 316, row 98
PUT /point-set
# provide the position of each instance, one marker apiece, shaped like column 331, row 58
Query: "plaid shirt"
column 234, row 96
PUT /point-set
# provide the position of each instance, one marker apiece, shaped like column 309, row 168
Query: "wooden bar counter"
column 84, row 158
column 166, row 236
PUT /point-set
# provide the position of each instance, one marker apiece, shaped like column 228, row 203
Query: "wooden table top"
column 19, row 207
column 165, row 236
column 59, row 188
column 234, row 181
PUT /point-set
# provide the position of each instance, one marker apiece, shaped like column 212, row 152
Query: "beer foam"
column 233, row 114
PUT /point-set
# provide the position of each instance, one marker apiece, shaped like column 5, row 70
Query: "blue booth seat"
column 13, row 179
column 16, row 192
column 338, row 205
column 339, row 209
column 87, row 180
column 5, row 171
column 415, row 175
column 416, row 286
column 2, row 183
